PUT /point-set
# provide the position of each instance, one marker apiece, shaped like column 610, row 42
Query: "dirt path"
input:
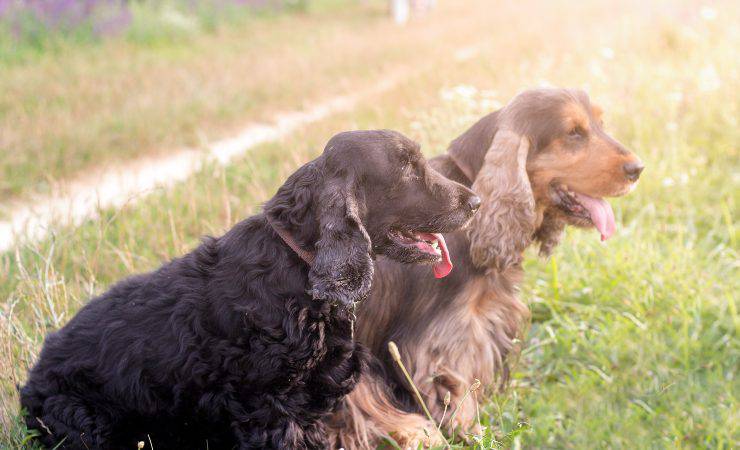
column 82, row 198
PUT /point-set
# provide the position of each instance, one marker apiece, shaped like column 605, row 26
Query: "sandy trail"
column 82, row 198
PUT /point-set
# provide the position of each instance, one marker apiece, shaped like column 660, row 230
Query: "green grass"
column 88, row 104
column 26, row 36
column 633, row 342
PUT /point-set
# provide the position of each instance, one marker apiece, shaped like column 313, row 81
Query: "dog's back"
column 162, row 355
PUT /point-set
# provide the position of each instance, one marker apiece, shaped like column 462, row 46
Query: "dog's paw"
column 423, row 435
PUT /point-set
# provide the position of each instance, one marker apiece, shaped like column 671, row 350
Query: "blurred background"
column 128, row 129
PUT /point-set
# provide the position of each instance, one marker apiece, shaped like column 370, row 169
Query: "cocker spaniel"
column 247, row 341
column 542, row 162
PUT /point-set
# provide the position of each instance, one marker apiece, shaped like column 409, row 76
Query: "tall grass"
column 32, row 27
column 633, row 342
column 85, row 106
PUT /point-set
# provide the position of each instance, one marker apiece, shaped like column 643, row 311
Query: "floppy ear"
column 504, row 225
column 343, row 269
column 469, row 149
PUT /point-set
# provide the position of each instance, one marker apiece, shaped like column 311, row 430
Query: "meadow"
column 176, row 78
column 633, row 342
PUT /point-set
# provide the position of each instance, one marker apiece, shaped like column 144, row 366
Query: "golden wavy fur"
column 524, row 161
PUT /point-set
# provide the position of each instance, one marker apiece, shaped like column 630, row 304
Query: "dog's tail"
column 367, row 416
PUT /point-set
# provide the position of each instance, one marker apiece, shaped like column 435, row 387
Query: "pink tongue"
column 444, row 267
column 601, row 214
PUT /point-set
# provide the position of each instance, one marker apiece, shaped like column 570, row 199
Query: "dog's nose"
column 633, row 170
column 474, row 203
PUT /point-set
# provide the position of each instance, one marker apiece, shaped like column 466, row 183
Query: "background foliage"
column 633, row 343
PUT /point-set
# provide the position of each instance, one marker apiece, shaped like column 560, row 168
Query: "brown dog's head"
column 370, row 192
column 541, row 162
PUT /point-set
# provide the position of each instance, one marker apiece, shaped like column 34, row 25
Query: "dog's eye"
column 410, row 170
column 577, row 133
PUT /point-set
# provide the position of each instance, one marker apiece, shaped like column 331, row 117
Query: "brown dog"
column 539, row 164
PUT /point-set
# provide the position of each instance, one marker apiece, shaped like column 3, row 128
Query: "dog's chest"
column 471, row 340
column 316, row 340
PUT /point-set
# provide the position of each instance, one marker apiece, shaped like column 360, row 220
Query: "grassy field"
column 78, row 106
column 633, row 343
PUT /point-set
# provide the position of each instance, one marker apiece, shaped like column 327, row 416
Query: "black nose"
column 474, row 203
column 633, row 170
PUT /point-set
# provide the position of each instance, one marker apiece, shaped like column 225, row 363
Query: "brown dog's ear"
column 342, row 271
column 597, row 112
column 469, row 149
column 504, row 225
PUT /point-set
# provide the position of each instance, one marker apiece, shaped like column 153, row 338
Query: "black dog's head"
column 370, row 192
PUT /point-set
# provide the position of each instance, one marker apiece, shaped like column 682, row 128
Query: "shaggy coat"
column 241, row 343
column 536, row 164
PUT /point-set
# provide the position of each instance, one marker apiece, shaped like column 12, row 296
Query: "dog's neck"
column 293, row 214
column 287, row 237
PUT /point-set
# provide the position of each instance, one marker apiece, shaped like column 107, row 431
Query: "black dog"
column 247, row 341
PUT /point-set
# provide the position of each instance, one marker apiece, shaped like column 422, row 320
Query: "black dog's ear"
column 342, row 271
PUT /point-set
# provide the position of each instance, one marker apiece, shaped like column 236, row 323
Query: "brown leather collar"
column 462, row 169
column 305, row 255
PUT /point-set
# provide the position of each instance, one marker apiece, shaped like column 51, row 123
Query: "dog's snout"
column 633, row 170
column 473, row 203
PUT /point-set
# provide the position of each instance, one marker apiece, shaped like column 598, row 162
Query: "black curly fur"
column 239, row 343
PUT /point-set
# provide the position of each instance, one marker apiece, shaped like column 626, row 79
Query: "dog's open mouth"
column 596, row 210
column 428, row 244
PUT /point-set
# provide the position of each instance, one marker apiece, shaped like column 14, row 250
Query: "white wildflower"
column 488, row 93
column 463, row 92
column 466, row 90
column 596, row 69
column 709, row 79
column 489, row 104
column 675, row 96
column 177, row 19
column 708, row 13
